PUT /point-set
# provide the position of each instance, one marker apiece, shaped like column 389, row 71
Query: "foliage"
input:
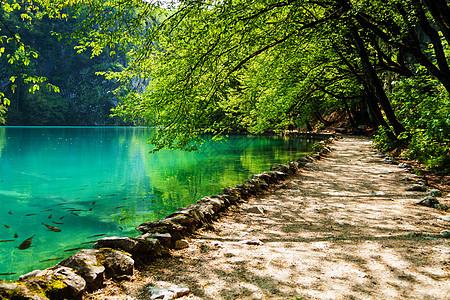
column 197, row 68
column 424, row 107
column 67, row 91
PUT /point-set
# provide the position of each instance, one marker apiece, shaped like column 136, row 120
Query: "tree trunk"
column 374, row 83
column 440, row 11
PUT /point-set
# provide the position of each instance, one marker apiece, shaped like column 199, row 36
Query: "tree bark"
column 374, row 83
column 440, row 11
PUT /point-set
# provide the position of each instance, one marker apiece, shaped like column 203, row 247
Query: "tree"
column 213, row 67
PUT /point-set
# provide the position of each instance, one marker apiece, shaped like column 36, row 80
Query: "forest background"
column 197, row 70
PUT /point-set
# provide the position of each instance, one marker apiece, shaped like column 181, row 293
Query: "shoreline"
column 158, row 238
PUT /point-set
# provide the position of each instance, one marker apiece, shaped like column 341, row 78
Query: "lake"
column 90, row 182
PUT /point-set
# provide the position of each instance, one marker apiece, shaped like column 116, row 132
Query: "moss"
column 56, row 283
column 23, row 289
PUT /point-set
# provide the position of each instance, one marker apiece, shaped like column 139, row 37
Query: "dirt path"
column 344, row 228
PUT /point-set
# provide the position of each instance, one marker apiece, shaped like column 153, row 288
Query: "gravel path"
column 344, row 228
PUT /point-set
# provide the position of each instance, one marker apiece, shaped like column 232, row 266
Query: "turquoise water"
column 88, row 182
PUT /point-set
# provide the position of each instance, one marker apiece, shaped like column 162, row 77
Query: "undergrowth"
column 423, row 107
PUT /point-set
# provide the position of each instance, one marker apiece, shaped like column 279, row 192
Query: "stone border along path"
column 344, row 227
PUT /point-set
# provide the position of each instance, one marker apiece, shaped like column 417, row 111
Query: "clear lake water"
column 89, row 182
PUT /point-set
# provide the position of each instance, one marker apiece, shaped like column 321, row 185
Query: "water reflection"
column 103, row 181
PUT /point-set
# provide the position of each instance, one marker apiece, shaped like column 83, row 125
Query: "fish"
column 52, row 228
column 30, row 215
column 16, row 235
column 26, row 244
column 61, row 204
column 120, row 206
column 111, row 195
column 90, row 242
column 125, row 198
column 120, row 227
column 74, row 214
column 5, row 241
column 6, row 226
column 50, row 216
column 6, row 274
column 59, row 223
column 10, row 212
column 12, row 194
column 73, row 249
column 46, row 210
column 61, row 218
column 51, row 259
column 96, row 235
column 123, row 218
column 93, row 202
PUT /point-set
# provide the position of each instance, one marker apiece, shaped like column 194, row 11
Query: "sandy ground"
column 344, row 228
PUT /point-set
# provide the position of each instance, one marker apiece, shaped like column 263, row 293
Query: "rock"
column 445, row 218
column 19, row 292
column 434, row 193
column 428, row 201
column 277, row 175
column 245, row 190
column 124, row 243
column 34, row 273
column 316, row 156
column 305, row 160
column 232, row 191
column 87, row 265
column 167, row 293
column 255, row 210
column 139, row 245
column 5, row 285
column 258, row 184
column 282, row 168
column 117, row 263
column 390, row 161
column 445, row 234
column 441, row 206
column 217, row 204
column 405, row 166
column 184, row 220
column 74, row 282
column 217, row 244
column 340, row 130
column 416, row 188
column 56, row 283
column 181, row 244
column 412, row 235
column 176, row 231
column 262, row 177
column 163, row 238
column 252, row 242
